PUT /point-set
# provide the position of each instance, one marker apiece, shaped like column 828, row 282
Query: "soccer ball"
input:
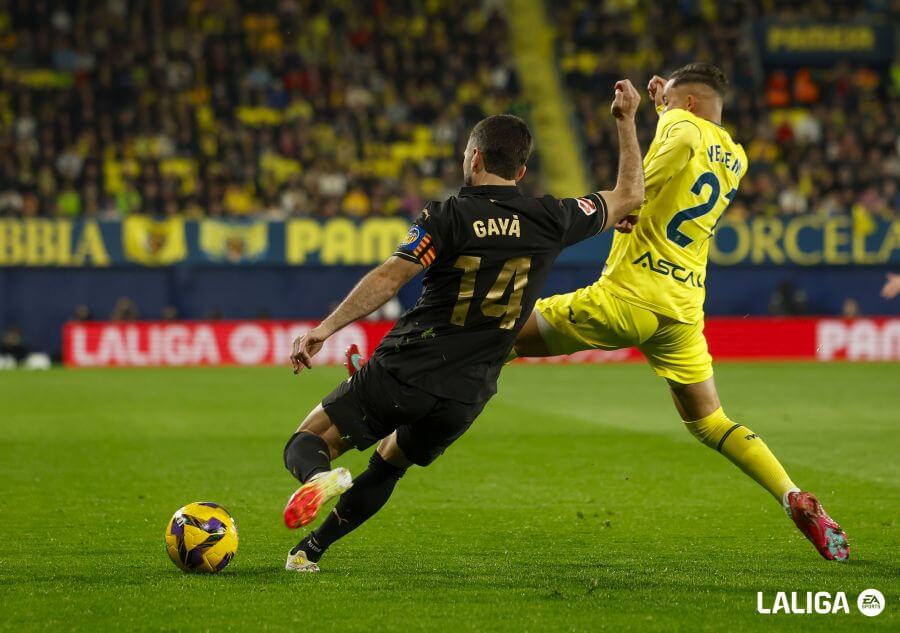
column 202, row 536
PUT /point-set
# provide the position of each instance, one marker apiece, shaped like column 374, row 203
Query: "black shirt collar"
column 495, row 192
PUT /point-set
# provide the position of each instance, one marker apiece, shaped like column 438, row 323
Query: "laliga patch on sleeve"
column 587, row 206
column 413, row 239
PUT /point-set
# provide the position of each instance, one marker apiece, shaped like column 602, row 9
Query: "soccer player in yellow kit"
column 652, row 289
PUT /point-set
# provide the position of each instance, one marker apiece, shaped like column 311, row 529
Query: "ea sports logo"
column 870, row 602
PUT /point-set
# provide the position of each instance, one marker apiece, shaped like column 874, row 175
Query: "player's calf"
column 371, row 490
column 745, row 449
column 307, row 456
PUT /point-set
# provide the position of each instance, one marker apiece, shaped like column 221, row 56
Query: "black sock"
column 306, row 454
column 311, row 546
column 369, row 493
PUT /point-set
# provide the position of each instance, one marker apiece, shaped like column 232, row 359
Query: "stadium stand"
column 216, row 109
column 320, row 108
column 820, row 140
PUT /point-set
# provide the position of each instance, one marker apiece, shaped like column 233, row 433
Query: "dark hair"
column 505, row 141
column 698, row 73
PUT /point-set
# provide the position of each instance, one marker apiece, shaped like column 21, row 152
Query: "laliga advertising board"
column 181, row 343
column 184, row 343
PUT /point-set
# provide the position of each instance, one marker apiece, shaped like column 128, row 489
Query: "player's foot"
column 297, row 561
column 822, row 531
column 353, row 359
column 305, row 555
column 304, row 505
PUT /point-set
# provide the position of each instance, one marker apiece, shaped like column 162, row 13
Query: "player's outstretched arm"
column 628, row 193
column 372, row 292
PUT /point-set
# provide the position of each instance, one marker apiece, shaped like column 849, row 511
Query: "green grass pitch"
column 576, row 502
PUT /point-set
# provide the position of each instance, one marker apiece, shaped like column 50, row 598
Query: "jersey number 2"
column 706, row 179
column 515, row 269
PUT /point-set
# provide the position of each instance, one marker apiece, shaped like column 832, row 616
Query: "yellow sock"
column 745, row 449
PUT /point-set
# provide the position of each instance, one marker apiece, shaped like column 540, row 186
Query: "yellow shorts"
column 593, row 318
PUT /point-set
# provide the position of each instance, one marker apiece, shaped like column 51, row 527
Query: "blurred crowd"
column 819, row 140
column 327, row 107
column 228, row 108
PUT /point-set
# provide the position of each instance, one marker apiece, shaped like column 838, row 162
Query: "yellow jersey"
column 691, row 173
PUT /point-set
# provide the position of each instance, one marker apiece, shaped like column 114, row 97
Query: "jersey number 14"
column 515, row 269
column 706, row 179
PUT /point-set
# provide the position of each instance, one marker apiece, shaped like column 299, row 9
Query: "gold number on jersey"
column 469, row 265
column 515, row 269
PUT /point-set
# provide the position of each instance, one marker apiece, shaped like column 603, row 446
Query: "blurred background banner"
column 198, row 343
column 823, row 43
column 233, row 242
column 803, row 241
column 807, row 240
column 145, row 241
column 151, row 242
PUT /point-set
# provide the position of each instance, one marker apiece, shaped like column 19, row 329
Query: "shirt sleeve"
column 679, row 138
column 424, row 240
column 583, row 217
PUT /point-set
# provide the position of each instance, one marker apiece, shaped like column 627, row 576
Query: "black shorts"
column 373, row 404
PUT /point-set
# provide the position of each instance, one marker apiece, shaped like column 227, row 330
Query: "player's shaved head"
column 703, row 74
column 698, row 88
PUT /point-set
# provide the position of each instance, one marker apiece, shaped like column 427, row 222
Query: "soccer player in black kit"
column 486, row 253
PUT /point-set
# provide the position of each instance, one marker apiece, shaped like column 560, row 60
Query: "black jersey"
column 487, row 253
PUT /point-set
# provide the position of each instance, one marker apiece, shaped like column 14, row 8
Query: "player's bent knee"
column 318, row 423
column 305, row 453
column 713, row 429
column 384, row 469
column 390, row 452
column 695, row 401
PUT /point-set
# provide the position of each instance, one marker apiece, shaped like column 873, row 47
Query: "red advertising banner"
column 874, row 339
column 180, row 343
